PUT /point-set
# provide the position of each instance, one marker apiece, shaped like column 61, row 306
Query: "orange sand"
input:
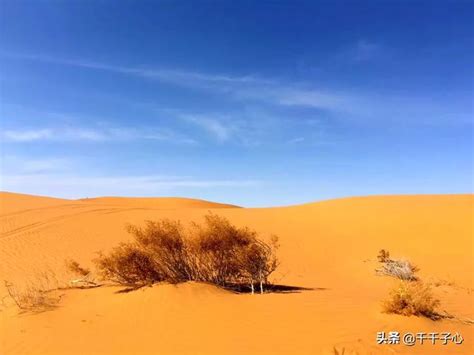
column 329, row 246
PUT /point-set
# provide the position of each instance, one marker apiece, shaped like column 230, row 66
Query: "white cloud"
column 296, row 140
column 220, row 128
column 14, row 164
column 94, row 135
column 357, row 106
column 41, row 165
column 85, row 134
column 309, row 98
column 180, row 77
column 67, row 177
column 237, row 87
column 27, row 135
column 72, row 186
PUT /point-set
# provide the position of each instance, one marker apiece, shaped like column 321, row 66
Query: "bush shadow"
column 240, row 288
column 270, row 288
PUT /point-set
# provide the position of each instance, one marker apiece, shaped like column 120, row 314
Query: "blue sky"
column 257, row 103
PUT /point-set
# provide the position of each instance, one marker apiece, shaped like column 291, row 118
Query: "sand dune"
column 161, row 203
column 329, row 246
column 12, row 202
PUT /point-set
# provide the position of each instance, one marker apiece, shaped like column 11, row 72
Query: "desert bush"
column 128, row 264
column 226, row 254
column 259, row 262
column 384, row 256
column 216, row 252
column 76, row 268
column 412, row 298
column 218, row 246
column 31, row 297
column 165, row 244
column 401, row 269
column 85, row 276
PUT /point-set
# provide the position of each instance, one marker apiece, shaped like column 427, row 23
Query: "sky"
column 255, row 103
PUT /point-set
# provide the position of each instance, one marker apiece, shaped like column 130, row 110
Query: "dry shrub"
column 216, row 252
column 384, row 256
column 85, row 279
column 128, row 264
column 165, row 244
column 412, row 298
column 399, row 268
column 76, row 268
column 227, row 255
column 259, row 262
column 31, row 297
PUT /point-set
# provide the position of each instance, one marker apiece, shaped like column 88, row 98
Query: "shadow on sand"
column 244, row 288
column 270, row 288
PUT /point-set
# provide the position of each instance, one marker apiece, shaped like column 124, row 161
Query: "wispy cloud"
column 27, row 135
column 250, row 89
column 237, row 87
column 221, row 128
column 142, row 182
column 43, row 165
column 217, row 128
column 245, row 126
column 252, row 127
column 51, row 134
column 13, row 164
column 72, row 186
column 296, row 140
column 303, row 97
column 93, row 135
column 180, row 77
column 67, row 177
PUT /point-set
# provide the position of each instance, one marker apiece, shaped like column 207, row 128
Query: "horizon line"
column 232, row 205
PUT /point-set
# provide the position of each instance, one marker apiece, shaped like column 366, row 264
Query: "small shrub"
column 412, row 298
column 384, row 256
column 85, row 279
column 227, row 255
column 31, row 297
column 75, row 268
column 128, row 264
column 166, row 246
column 259, row 262
column 401, row 269
column 216, row 252
column 218, row 247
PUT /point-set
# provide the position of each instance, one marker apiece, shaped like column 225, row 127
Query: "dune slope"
column 12, row 202
column 329, row 246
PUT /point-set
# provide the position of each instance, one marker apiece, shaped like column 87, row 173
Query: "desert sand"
column 329, row 246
